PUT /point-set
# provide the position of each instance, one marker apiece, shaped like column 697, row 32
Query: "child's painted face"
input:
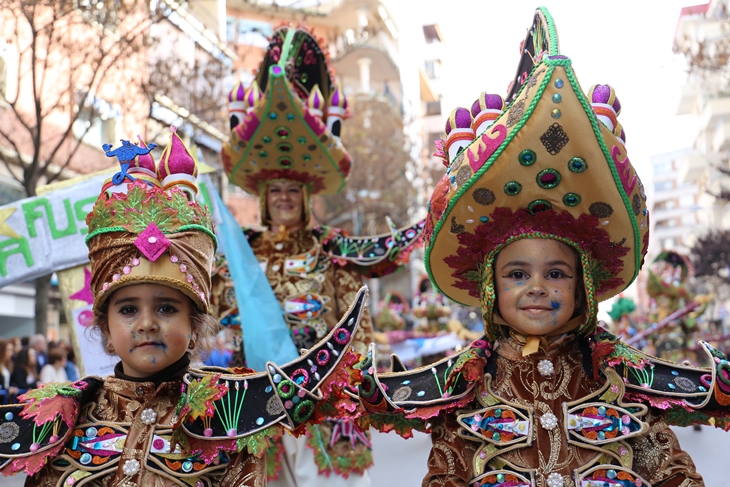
column 149, row 327
column 535, row 280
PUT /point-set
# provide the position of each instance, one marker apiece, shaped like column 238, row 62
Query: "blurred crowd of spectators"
column 27, row 363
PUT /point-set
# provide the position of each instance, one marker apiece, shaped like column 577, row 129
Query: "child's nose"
column 537, row 287
column 147, row 322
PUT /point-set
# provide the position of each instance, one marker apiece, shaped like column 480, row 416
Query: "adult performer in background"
column 285, row 147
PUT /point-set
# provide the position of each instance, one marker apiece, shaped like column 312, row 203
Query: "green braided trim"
column 200, row 228
column 487, row 280
column 550, row 23
column 103, row 230
column 287, row 45
column 193, row 226
column 614, row 173
column 482, row 170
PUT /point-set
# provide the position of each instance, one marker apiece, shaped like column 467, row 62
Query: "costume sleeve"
column 245, row 470
column 450, row 460
column 660, row 460
column 347, row 283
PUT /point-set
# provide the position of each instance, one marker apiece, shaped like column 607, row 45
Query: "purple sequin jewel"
column 152, row 242
column 476, row 107
column 494, row 102
column 602, row 94
column 462, row 117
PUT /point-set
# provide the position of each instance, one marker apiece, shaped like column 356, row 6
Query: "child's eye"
column 167, row 309
column 128, row 310
column 517, row 275
column 555, row 274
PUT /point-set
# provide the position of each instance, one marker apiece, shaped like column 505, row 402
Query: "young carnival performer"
column 537, row 220
column 158, row 422
column 285, row 147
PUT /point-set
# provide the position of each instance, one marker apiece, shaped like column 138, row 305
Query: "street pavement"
column 402, row 463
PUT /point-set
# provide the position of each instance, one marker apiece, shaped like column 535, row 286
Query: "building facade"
column 178, row 77
column 702, row 35
column 675, row 218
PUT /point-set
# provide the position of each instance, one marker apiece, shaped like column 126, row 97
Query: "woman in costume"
column 537, row 220
column 158, row 422
column 285, row 147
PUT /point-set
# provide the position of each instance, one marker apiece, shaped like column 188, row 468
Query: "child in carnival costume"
column 285, row 147
column 537, row 220
column 157, row 421
column 668, row 285
column 430, row 308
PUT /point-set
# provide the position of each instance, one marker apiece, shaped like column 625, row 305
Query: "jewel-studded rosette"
column 285, row 135
column 142, row 233
column 548, row 167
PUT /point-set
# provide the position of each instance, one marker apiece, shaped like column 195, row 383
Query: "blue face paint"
column 555, row 304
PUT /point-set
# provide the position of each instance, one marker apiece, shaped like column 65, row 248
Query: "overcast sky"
column 627, row 44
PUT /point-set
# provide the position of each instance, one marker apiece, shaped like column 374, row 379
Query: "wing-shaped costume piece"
column 373, row 256
column 221, row 411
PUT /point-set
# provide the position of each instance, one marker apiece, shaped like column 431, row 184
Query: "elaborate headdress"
column 552, row 165
column 286, row 134
column 147, row 227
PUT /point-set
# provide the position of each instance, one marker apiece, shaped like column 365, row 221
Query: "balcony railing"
column 367, row 37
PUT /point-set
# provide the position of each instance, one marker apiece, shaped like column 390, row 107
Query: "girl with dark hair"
column 24, row 372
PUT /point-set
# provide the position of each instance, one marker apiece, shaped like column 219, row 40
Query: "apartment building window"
column 97, row 122
column 687, row 201
column 103, row 12
column 248, row 32
column 10, row 191
column 433, row 68
column 663, row 185
column 433, row 108
column 231, row 29
column 432, row 138
column 690, row 219
column 3, row 77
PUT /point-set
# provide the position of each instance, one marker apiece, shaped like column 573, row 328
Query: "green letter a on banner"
column 8, row 248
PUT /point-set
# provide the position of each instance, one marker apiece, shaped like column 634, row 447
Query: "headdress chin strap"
column 533, row 343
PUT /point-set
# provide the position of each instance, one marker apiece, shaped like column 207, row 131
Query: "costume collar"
column 533, row 343
column 170, row 373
